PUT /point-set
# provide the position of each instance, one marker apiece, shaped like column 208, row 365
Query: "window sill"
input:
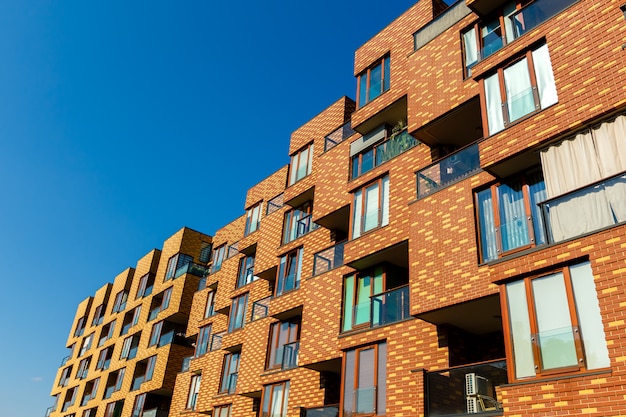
column 540, row 380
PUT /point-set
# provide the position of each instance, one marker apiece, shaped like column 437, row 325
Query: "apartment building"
column 127, row 341
column 450, row 243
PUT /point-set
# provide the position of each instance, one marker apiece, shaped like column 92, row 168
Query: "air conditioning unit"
column 478, row 390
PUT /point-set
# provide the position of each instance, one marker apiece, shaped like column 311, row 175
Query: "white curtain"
column 519, row 92
column 573, row 163
column 357, row 217
column 471, row 49
column 487, row 226
column 494, row 104
column 385, row 202
column 545, row 77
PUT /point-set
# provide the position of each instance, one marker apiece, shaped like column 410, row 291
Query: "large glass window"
column 222, row 411
column 218, row 257
column 177, row 261
column 114, row 409
column 145, row 286
column 289, row 272
column 230, row 371
column 509, row 216
column 209, row 308
column 204, row 338
column 253, row 218
column 373, row 81
column 370, row 208
column 298, row 222
column 275, row 398
column 365, row 377
column 237, row 313
column 120, row 301
column 301, row 164
column 194, row 389
column 245, row 274
column 555, row 323
column 98, row 315
column 104, row 358
column 140, row 401
column 284, row 344
column 522, row 88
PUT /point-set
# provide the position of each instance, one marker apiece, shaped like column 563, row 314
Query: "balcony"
column 465, row 390
column 535, row 13
column 390, row 307
column 328, row 259
column 287, row 355
column 366, row 160
column 275, row 204
column 338, row 136
column 304, row 226
column 186, row 363
column 193, row 269
column 260, row 308
column 585, row 210
column 326, row 411
column 448, row 171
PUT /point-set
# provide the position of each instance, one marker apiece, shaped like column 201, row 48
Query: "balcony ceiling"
column 459, row 127
column 480, row 316
column 390, row 115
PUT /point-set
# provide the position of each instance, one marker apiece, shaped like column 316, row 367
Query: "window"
column 194, row 389
column 284, row 344
column 83, row 368
column 85, row 345
column 202, row 343
column 90, row 412
column 159, row 303
column 104, row 358
column 237, row 313
column 120, row 302
column 114, row 382
column 222, row 411
column 379, row 146
column 229, row 373
column 65, row 376
column 522, row 88
column 156, row 333
column 129, row 348
column 218, row 258
column 246, row 271
column 98, row 315
column 554, row 323
column 114, row 409
column 209, row 308
column 91, row 389
column 106, row 333
column 374, row 297
column 275, row 398
column 298, row 222
column 131, row 318
column 370, row 208
column 80, row 327
column 253, row 218
column 177, row 261
column 373, row 82
column 145, row 286
column 140, row 401
column 508, row 215
column 143, row 372
column 289, row 272
column 70, row 397
column 150, row 364
column 301, row 164
column 365, row 380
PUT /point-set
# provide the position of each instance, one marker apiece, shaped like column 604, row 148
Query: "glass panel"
column 382, row 379
column 375, row 82
column 492, row 37
column 348, row 294
column 537, row 191
column 519, row 92
column 367, row 161
column 362, row 90
column 362, row 308
column 471, row 51
column 519, row 323
column 513, row 223
column 387, row 76
column 556, row 336
column 357, row 216
column 589, row 317
column 494, row 104
column 371, row 207
column 366, row 391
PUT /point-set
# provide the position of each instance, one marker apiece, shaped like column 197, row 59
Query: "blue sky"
column 122, row 121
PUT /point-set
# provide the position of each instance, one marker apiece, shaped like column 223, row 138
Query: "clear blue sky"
column 122, row 121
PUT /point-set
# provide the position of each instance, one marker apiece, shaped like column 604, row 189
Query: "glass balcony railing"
column 64, row 360
column 585, row 210
column 193, row 269
column 393, row 147
column 137, row 383
column 465, row 390
column 390, row 307
column 260, row 308
column 448, row 170
column 365, row 400
column 288, row 355
column 326, row 411
column 305, row 225
column 216, row 341
column 537, row 12
column 328, row 259
column 186, row 363
column 231, row 384
column 233, row 250
column 338, row 136
column 202, row 284
column 275, row 204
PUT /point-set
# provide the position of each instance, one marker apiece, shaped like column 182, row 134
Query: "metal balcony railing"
column 260, row 308
column 448, row 170
column 288, row 355
column 465, row 390
column 585, row 210
column 193, row 269
column 338, row 136
column 535, row 13
column 328, row 259
column 326, row 411
column 390, row 307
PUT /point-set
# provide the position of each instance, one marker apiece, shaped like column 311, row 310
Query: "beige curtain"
column 573, row 163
